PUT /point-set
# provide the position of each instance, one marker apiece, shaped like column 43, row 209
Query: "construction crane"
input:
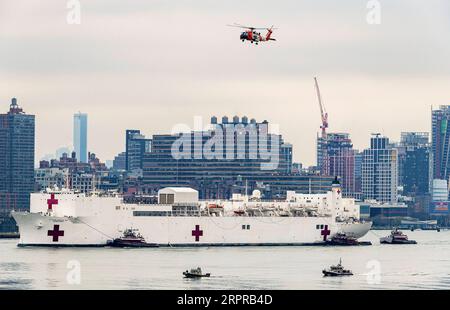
column 323, row 112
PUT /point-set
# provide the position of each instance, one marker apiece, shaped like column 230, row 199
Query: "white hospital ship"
column 66, row 218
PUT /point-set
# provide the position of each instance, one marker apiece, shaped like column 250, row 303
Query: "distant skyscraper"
column 80, row 136
column 16, row 161
column 135, row 146
column 336, row 157
column 379, row 171
column 441, row 142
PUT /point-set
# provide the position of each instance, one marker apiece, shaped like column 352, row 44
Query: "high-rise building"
column 238, row 163
column 380, row 171
column 16, row 162
column 136, row 145
column 358, row 174
column 415, row 163
column 336, row 157
column 80, row 136
column 440, row 143
column 119, row 162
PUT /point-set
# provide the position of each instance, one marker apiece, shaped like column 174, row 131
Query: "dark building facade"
column 415, row 162
column 17, row 137
column 238, row 163
column 135, row 146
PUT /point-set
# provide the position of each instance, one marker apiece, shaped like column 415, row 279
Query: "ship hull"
column 38, row 229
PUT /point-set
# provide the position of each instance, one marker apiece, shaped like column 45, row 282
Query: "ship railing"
column 186, row 213
column 166, row 213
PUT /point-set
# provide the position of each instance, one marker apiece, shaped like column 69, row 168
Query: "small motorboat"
column 397, row 237
column 132, row 239
column 195, row 273
column 342, row 239
column 336, row 271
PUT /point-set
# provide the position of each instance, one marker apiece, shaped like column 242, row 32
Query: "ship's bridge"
column 171, row 195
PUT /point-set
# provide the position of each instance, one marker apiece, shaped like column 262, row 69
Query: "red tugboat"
column 397, row 237
column 342, row 239
column 130, row 239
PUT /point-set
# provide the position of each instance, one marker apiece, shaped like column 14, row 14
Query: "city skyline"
column 56, row 153
column 124, row 67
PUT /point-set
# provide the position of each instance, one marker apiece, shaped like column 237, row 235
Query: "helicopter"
column 254, row 37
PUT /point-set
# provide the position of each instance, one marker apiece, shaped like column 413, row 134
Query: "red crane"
column 323, row 112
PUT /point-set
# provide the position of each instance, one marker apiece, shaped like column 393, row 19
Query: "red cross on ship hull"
column 197, row 233
column 325, row 232
column 55, row 233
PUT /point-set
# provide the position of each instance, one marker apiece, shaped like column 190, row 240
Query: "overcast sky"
column 150, row 65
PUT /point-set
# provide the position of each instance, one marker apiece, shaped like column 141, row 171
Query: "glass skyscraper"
column 135, row 146
column 441, row 142
column 80, row 136
column 380, row 171
column 16, row 162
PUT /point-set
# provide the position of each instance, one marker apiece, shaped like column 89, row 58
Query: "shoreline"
column 10, row 235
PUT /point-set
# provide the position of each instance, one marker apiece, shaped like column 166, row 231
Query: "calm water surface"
column 425, row 265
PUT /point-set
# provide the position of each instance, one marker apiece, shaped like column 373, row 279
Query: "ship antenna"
column 67, row 180
column 93, row 183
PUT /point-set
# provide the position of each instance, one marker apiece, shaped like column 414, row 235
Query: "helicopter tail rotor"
column 269, row 33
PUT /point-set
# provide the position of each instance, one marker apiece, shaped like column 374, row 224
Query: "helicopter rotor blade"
column 245, row 27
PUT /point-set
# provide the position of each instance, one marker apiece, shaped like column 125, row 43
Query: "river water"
column 422, row 266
